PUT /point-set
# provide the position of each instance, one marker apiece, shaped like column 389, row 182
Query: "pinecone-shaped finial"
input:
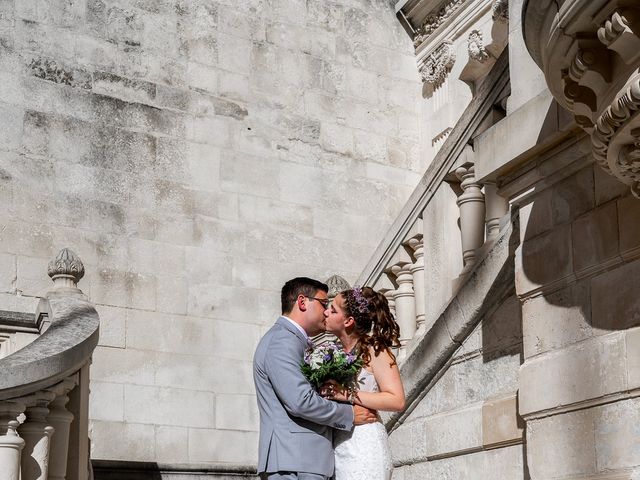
column 66, row 269
column 336, row 284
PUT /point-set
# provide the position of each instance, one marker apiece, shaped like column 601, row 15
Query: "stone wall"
column 465, row 426
column 196, row 154
column 581, row 315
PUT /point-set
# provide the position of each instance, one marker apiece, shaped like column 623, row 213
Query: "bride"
column 362, row 321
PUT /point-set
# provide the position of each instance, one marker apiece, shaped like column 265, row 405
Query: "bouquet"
column 330, row 362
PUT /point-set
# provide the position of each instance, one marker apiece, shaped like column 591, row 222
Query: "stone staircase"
column 44, row 386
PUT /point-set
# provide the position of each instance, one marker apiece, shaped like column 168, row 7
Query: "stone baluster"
column 472, row 213
column 11, row 444
column 36, row 433
column 404, row 302
column 385, row 286
column 390, row 296
column 60, row 419
column 496, row 206
column 416, row 245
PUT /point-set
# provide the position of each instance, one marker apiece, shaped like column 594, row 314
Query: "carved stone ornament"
column 610, row 142
column 438, row 65
column 336, row 284
column 434, row 20
column 500, row 11
column 476, row 48
column 617, row 34
column 66, row 264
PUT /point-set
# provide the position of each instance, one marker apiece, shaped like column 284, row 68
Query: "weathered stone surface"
column 613, row 303
column 595, row 237
column 544, row 259
column 237, row 412
column 556, row 320
column 628, row 211
column 500, row 421
column 503, row 463
column 562, row 445
column 632, row 338
column 585, row 371
column 221, row 446
column 172, row 406
column 106, row 402
column 136, row 439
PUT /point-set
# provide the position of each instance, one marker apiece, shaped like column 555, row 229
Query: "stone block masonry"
column 196, row 155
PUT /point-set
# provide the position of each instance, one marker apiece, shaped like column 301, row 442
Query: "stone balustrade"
column 44, row 389
column 468, row 212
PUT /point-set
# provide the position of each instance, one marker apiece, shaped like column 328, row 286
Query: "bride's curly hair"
column 374, row 323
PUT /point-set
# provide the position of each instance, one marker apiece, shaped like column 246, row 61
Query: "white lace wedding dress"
column 364, row 453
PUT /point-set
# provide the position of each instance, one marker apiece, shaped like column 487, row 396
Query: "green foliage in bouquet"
column 330, row 362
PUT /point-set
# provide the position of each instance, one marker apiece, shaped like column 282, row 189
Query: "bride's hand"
column 334, row 391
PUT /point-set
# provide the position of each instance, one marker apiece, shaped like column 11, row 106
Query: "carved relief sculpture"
column 476, row 48
column 438, row 65
column 434, row 20
column 500, row 11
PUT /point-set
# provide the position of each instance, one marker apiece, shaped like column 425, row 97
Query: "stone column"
column 496, row 206
column 36, row 433
column 11, row 444
column 60, row 419
column 417, row 271
column 404, row 302
column 472, row 212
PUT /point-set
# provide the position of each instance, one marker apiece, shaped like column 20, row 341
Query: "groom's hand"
column 362, row 415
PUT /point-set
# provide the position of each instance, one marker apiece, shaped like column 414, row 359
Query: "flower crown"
column 361, row 302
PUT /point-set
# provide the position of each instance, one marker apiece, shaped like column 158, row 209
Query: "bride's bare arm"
column 390, row 396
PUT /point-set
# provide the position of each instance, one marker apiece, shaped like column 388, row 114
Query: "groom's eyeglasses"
column 322, row 301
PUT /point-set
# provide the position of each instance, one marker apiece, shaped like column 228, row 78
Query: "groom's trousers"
column 292, row 476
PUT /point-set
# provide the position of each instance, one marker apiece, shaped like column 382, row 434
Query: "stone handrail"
column 44, row 386
column 60, row 351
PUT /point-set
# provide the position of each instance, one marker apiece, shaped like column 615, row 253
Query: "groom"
column 295, row 422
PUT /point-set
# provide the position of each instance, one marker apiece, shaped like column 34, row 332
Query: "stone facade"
column 196, row 154
column 199, row 154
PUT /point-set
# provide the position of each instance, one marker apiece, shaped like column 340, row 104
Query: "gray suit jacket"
column 295, row 422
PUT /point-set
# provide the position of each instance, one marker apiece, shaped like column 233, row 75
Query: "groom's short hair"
column 299, row 286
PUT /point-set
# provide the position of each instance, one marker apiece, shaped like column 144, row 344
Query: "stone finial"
column 336, row 284
column 66, row 269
